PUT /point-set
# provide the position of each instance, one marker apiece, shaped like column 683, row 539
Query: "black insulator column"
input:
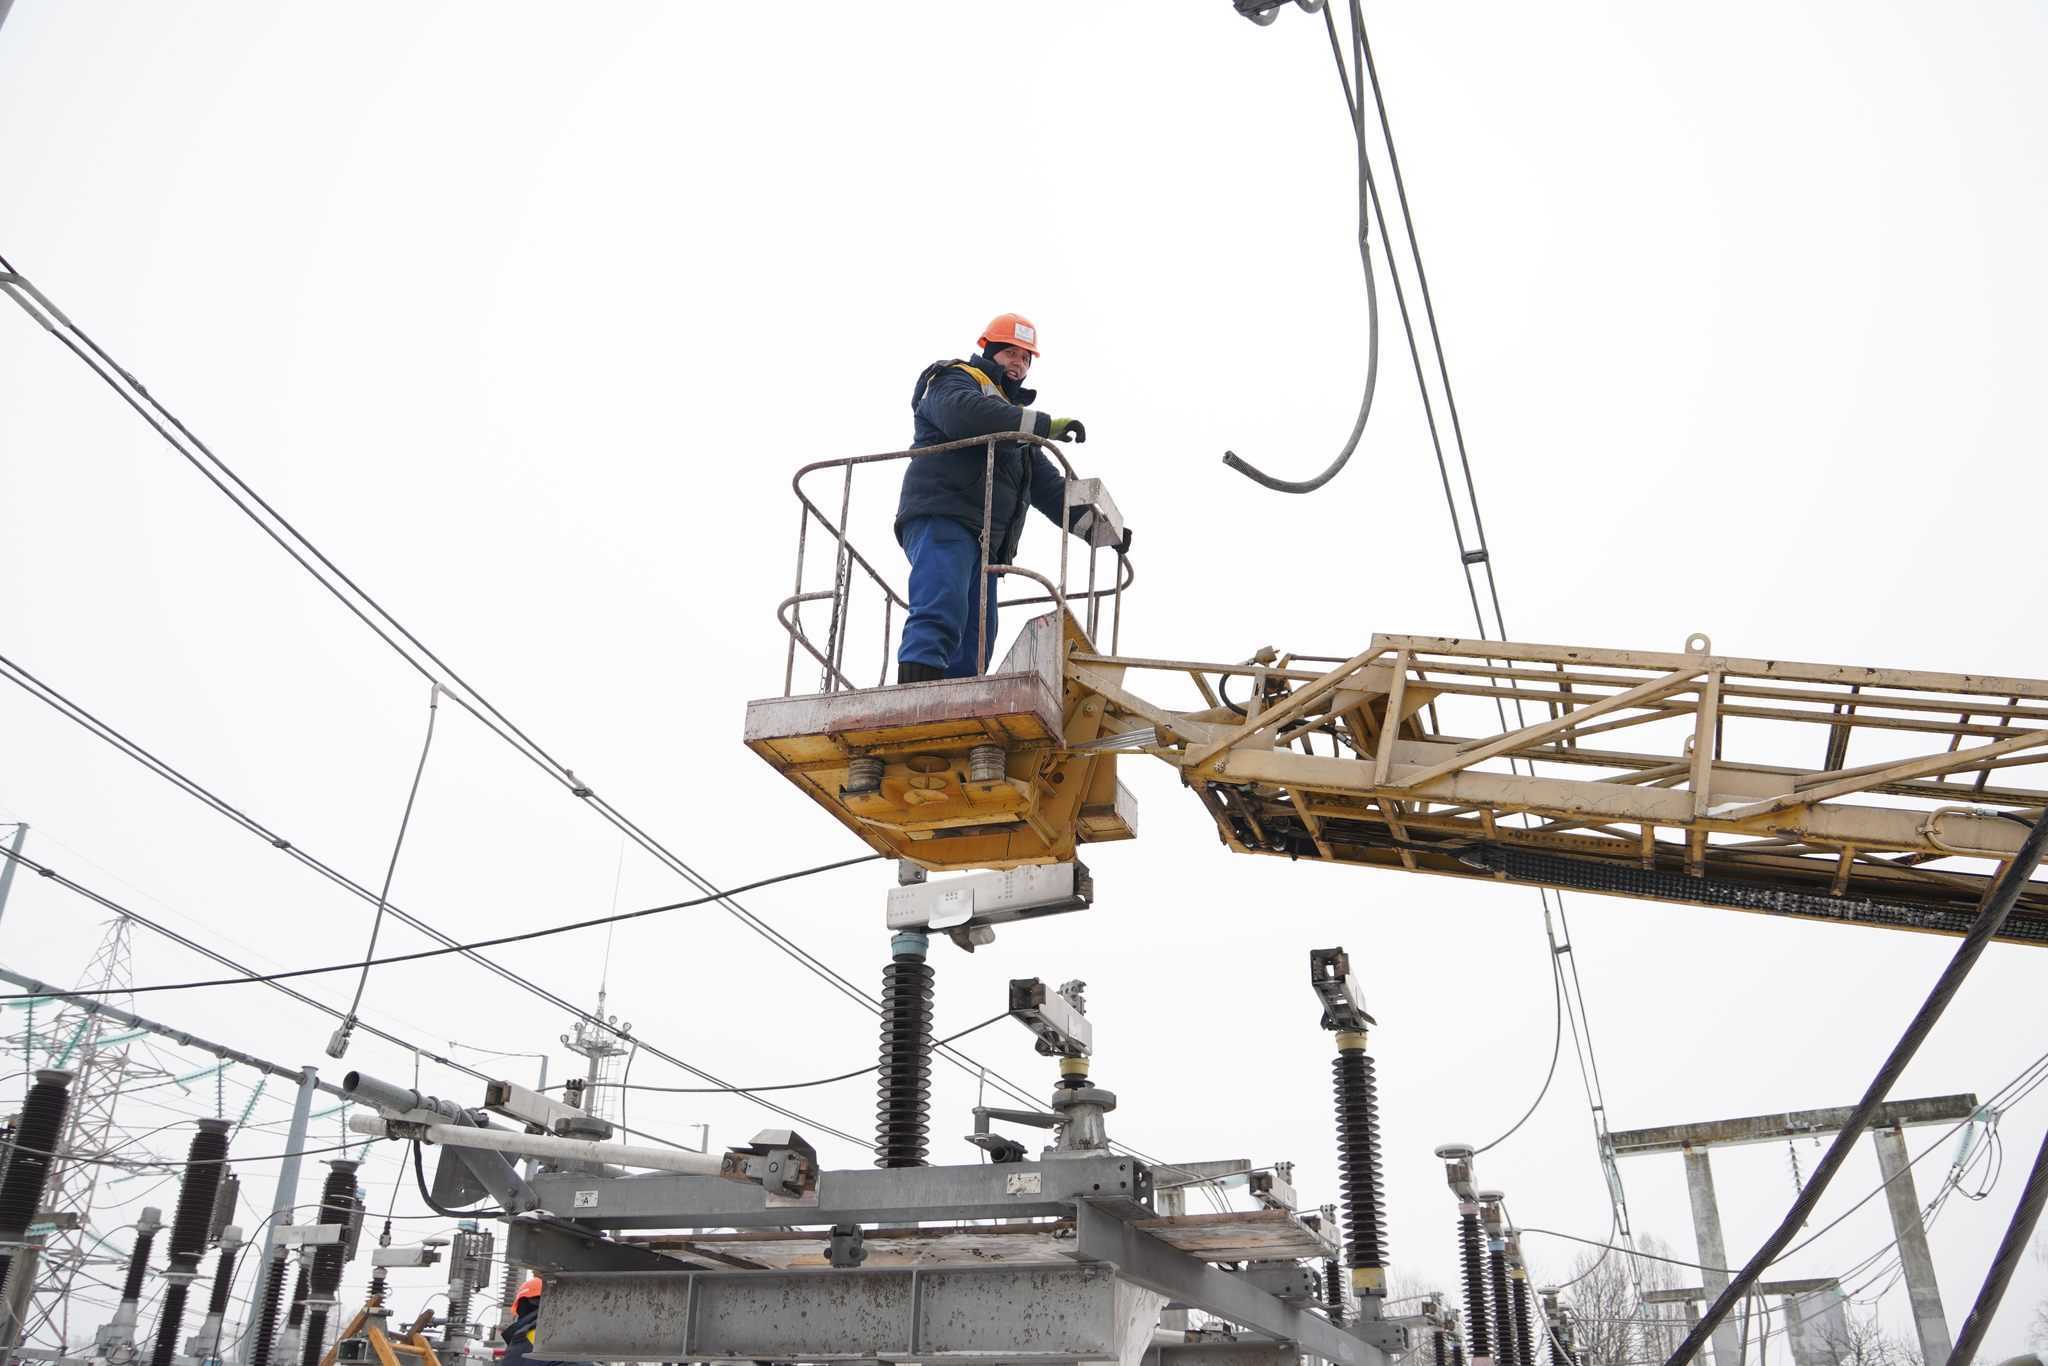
column 1472, row 1256
column 138, row 1260
column 1503, row 1310
column 296, row 1317
column 337, row 1206
column 1518, row 1290
column 223, row 1282
column 903, row 1106
column 35, row 1142
column 1437, row 1354
column 205, row 1162
column 1457, row 1351
column 1358, row 1163
column 1333, row 1289
column 269, row 1297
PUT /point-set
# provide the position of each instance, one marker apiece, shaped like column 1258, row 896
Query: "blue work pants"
column 945, row 557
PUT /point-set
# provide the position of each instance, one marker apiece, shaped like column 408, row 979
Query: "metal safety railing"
column 1080, row 496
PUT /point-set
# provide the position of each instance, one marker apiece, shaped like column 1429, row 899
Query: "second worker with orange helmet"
column 939, row 513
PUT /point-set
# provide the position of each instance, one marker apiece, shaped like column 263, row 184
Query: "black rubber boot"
column 908, row 671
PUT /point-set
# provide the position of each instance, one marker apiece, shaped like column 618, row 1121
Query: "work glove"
column 1085, row 527
column 1068, row 429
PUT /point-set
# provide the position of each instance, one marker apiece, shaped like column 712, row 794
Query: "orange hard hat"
column 1011, row 329
column 529, row 1291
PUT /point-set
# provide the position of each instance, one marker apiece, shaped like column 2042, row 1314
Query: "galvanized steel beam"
column 1039, row 1314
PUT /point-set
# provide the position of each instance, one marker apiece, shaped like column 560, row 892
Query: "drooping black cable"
column 1356, row 110
column 419, row 1176
column 390, row 871
column 413, row 957
column 2005, row 1261
column 1556, row 1047
column 1989, row 921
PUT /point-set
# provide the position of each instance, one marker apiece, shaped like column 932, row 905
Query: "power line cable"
column 359, row 603
column 364, row 964
column 100, row 729
column 1997, row 907
column 1556, row 1047
column 225, row 961
column 187, row 941
column 1356, row 112
column 784, row 1086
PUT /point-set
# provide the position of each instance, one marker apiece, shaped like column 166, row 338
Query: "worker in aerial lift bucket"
column 519, row 1348
column 938, row 516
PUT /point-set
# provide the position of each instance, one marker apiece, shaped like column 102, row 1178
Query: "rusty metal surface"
column 1240, row 1236
column 1656, row 775
column 1039, row 1242
column 900, row 707
column 929, row 804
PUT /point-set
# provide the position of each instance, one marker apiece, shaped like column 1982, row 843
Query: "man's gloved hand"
column 1068, row 429
column 1085, row 527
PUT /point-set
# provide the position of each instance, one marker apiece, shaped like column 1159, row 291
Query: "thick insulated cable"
column 1355, row 103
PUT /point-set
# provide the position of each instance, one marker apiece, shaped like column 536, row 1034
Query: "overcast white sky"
column 526, row 314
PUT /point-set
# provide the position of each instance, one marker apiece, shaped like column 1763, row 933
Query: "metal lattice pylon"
column 96, row 1050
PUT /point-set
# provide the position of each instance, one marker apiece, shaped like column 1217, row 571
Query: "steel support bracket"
column 1138, row 1256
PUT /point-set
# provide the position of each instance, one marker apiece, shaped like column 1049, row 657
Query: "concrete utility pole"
column 1713, row 1248
column 287, row 1193
column 1928, row 1321
column 1887, row 1128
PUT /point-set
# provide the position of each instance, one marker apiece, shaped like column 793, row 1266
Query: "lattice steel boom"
column 1685, row 776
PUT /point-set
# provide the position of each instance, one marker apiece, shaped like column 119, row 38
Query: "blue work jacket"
column 957, row 399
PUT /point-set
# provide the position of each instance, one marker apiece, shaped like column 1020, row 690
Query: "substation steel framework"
column 1076, row 1256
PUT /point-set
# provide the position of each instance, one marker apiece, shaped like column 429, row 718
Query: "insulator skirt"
column 205, row 1163
column 35, row 1139
column 266, row 1314
column 223, row 1282
column 1503, row 1311
column 337, row 1206
column 1358, row 1158
column 169, row 1325
column 1525, row 1346
column 1472, row 1256
column 138, row 1266
column 903, row 1109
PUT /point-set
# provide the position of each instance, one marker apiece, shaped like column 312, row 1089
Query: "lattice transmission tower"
column 96, row 1050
